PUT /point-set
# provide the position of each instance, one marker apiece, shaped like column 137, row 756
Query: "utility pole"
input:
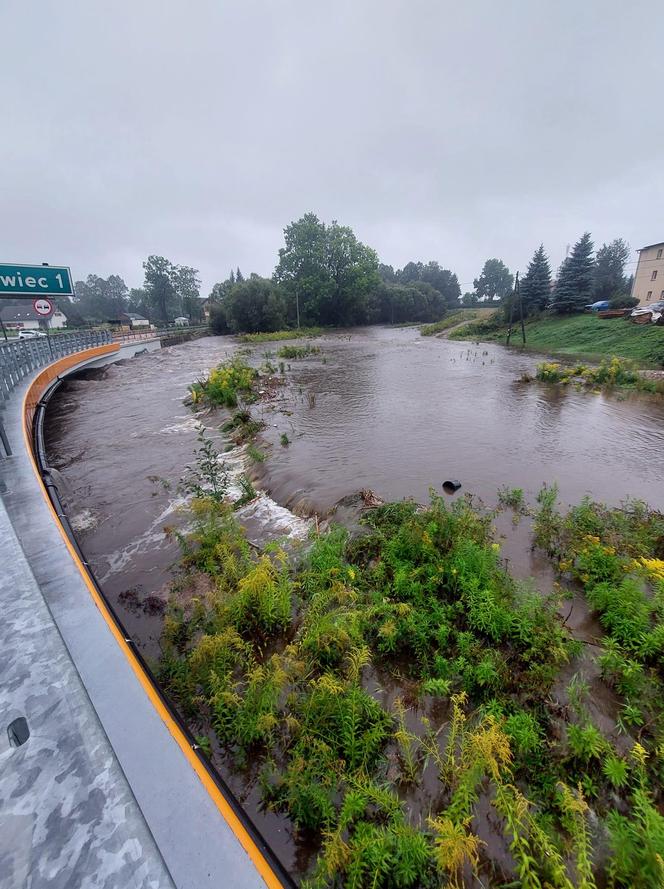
column 523, row 327
column 297, row 306
column 516, row 297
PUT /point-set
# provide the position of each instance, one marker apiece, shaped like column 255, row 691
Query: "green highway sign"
column 35, row 280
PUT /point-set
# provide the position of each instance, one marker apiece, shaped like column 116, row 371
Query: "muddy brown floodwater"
column 378, row 408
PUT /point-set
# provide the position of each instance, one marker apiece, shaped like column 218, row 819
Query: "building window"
column 649, row 294
column 659, row 253
column 654, row 275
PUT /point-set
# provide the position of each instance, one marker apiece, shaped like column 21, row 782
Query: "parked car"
column 652, row 314
column 601, row 306
column 30, row 334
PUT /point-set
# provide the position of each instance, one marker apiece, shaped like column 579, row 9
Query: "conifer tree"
column 574, row 285
column 536, row 283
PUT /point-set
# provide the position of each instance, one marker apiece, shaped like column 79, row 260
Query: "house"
column 181, row 321
column 648, row 283
column 24, row 317
column 130, row 319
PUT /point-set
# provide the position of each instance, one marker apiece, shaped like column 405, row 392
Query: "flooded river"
column 379, row 408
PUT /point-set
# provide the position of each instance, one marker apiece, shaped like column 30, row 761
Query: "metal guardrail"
column 22, row 357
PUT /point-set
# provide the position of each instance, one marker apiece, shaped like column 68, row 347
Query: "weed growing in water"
column 226, row 384
column 208, row 476
column 255, row 454
column 294, row 352
column 276, row 659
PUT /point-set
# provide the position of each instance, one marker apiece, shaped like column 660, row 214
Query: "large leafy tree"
column 536, row 283
column 101, row 299
column 159, row 287
column 252, row 305
column 187, row 286
column 494, row 282
column 442, row 280
column 574, row 284
column 352, row 269
column 326, row 272
column 609, row 273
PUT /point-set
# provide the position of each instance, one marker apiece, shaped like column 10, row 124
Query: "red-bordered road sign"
column 43, row 307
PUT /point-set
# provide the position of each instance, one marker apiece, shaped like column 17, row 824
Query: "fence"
column 20, row 358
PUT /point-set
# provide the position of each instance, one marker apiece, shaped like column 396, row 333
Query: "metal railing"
column 20, row 358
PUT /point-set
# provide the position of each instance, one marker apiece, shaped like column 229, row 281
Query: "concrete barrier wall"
column 184, row 803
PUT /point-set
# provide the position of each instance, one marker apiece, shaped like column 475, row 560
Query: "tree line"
column 325, row 276
column 168, row 291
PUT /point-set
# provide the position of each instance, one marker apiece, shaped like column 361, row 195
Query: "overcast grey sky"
column 454, row 131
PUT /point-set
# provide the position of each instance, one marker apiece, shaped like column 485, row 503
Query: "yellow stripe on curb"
column 30, row 401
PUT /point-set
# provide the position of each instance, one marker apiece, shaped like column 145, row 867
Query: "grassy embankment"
column 448, row 321
column 578, row 335
column 296, row 333
column 274, row 664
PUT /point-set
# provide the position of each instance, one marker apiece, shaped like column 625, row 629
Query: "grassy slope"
column 584, row 335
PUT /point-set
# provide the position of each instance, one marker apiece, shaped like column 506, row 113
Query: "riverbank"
column 582, row 336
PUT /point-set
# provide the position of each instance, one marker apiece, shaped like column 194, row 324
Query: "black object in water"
column 451, row 486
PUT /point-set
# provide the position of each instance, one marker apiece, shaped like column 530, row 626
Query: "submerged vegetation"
column 610, row 372
column 282, row 664
column 226, row 384
column 290, row 352
column 295, row 333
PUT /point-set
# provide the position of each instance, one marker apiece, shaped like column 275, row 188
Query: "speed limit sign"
column 43, row 307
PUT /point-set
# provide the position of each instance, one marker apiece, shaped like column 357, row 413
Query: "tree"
column 442, row 280
column 239, row 278
column 101, row 299
column 326, row 272
column 161, row 293
column 386, row 273
column 494, row 282
column 254, row 305
column 301, row 267
column 609, row 273
column 352, row 271
column 218, row 320
column 573, row 288
column 535, row 285
column 187, row 286
column 138, row 301
column 469, row 299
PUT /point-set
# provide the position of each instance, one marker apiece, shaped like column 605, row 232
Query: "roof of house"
column 23, row 313
column 131, row 316
column 648, row 246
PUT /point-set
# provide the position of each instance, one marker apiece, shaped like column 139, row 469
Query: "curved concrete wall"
column 201, row 839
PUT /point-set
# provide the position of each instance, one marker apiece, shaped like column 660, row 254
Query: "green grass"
column 295, row 334
column 579, row 335
column 447, row 322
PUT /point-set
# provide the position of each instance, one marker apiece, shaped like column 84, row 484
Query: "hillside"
column 585, row 335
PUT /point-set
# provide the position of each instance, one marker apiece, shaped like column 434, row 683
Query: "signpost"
column 43, row 307
column 30, row 281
